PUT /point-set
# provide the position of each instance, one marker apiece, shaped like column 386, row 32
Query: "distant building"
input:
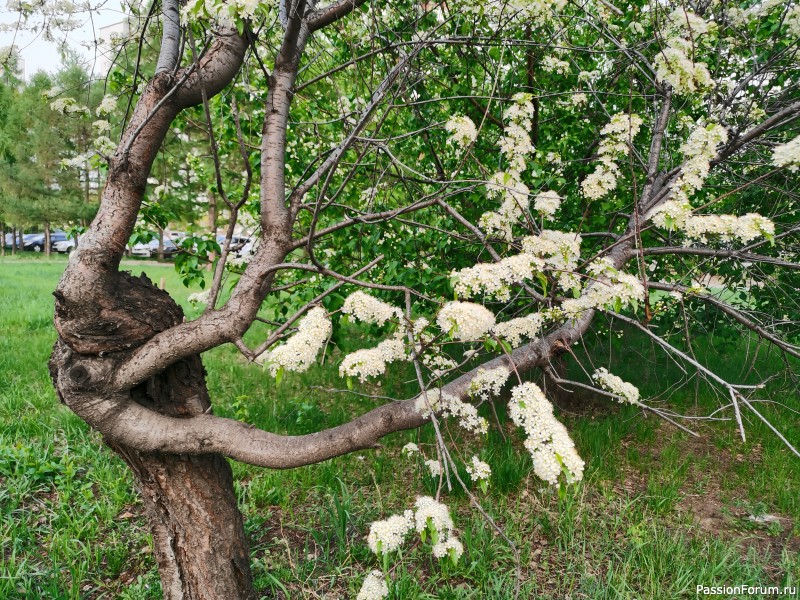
column 109, row 43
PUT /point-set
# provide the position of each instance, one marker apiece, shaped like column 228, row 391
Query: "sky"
column 40, row 54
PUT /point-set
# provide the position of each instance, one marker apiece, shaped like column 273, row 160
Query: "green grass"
column 658, row 513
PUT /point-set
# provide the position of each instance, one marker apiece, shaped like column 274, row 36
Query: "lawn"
column 658, row 513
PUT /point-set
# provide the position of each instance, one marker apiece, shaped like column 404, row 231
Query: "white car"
column 64, row 246
column 151, row 249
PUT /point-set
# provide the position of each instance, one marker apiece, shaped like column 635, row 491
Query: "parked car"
column 151, row 249
column 10, row 238
column 35, row 241
column 237, row 242
column 64, row 246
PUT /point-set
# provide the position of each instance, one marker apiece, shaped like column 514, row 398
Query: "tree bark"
column 198, row 532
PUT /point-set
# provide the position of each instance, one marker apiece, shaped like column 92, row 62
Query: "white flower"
column 435, row 467
column 578, row 99
column 429, row 510
column 548, row 442
column 465, row 320
column 611, row 288
column 699, row 150
column 388, row 535
column 675, row 67
column 547, row 203
column 449, row 405
column 199, row 297
column 488, row 383
column 107, row 105
column 479, row 470
column 788, row 154
column 611, row 383
column 496, row 279
column 462, row 129
column 560, row 251
column 363, row 307
column 443, row 549
column 302, row 348
column 374, row 587
column 410, row 448
column 68, row 106
column 370, row 362
column 617, row 134
column 102, row 126
column 515, row 330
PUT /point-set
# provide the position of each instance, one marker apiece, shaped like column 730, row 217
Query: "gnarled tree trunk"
column 198, row 533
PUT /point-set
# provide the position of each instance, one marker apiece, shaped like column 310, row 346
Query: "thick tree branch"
column 123, row 421
column 330, row 14
column 170, row 37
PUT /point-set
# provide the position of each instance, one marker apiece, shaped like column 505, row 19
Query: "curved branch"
column 729, row 310
column 722, row 254
column 123, row 421
column 330, row 14
column 170, row 38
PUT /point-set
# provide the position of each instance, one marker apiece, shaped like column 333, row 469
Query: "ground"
column 659, row 511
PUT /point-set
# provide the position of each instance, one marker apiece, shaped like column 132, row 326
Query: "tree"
column 38, row 145
column 414, row 135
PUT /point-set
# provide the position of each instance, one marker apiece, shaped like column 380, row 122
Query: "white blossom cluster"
column 429, row 517
column 434, row 467
column 744, row 228
column 410, row 449
column 523, row 11
column 68, row 106
column 438, row 363
column 388, row 535
column 430, row 401
column 560, row 251
column 366, row 308
column 449, row 547
column 371, row 362
column 466, row 414
column 611, row 383
column 220, row 11
column 107, row 106
column 553, row 64
column 431, row 514
column 610, row 288
column 514, row 331
column 462, row 130
column 555, row 250
column 495, row 279
column 488, row 382
column 547, row 203
column 465, row 321
column 449, row 405
column 302, row 348
column 199, row 297
column 617, row 134
column 674, row 64
column 548, row 441
column 516, row 147
column 787, row 155
column 699, row 150
column 374, row 587
column 478, row 470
